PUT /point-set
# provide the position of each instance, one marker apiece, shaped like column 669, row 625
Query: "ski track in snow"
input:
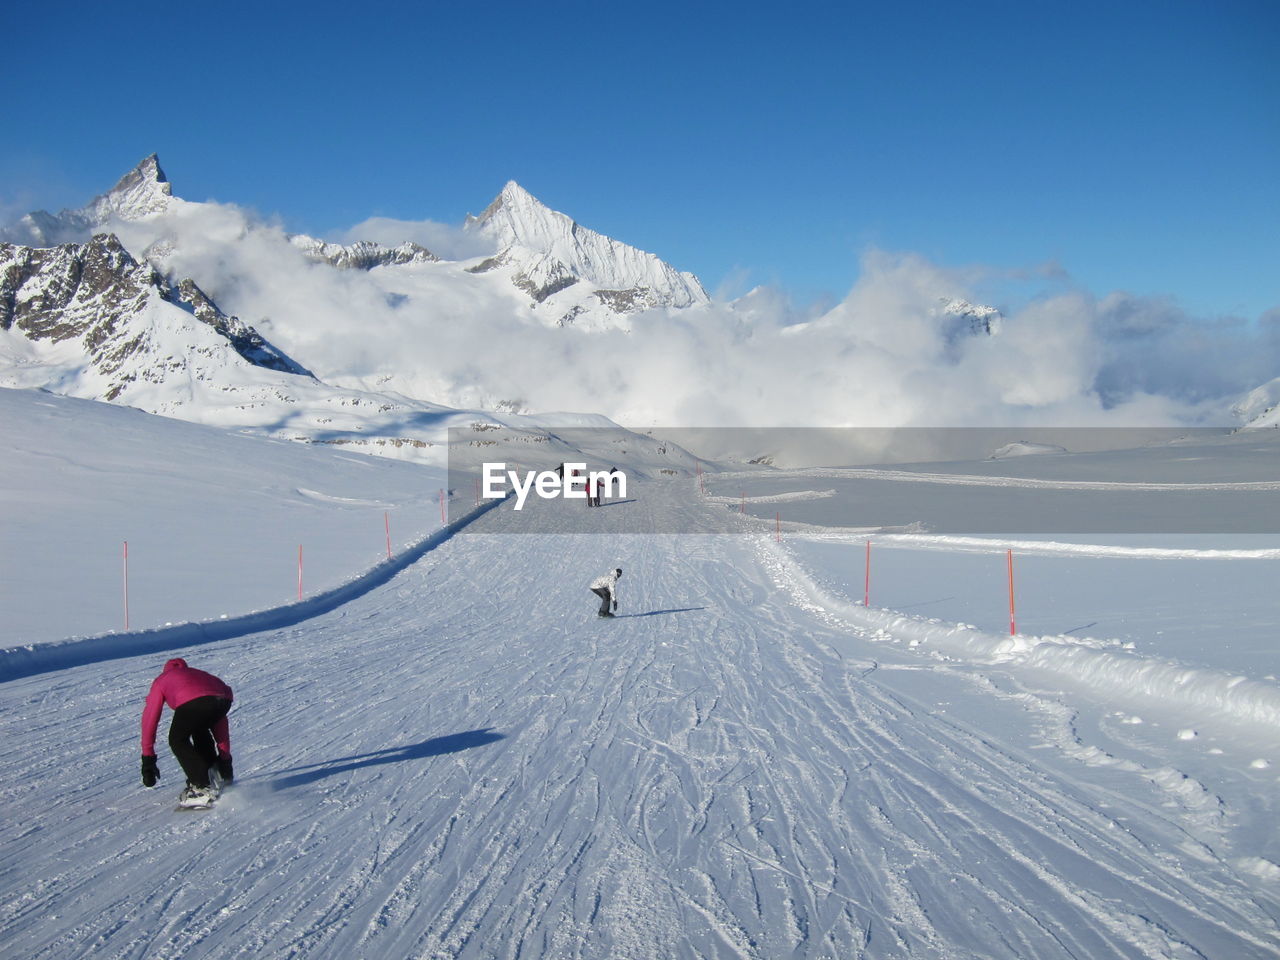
column 463, row 762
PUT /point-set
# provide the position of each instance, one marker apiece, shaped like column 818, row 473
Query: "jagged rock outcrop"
column 363, row 254
column 972, row 318
column 131, row 325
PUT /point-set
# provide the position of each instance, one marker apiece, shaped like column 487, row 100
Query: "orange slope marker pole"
column 866, row 588
column 1013, row 626
column 126, row 585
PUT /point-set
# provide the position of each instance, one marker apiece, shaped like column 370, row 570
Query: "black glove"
column 224, row 768
column 615, row 604
column 150, row 771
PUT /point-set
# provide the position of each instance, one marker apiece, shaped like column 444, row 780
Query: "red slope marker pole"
column 1013, row 627
column 299, row 571
column 126, row 585
column 386, row 518
column 743, row 508
column 443, row 521
column 777, row 527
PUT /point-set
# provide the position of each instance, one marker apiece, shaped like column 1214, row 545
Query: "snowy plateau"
column 813, row 730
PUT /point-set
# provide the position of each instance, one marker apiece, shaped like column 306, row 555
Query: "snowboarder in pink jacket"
column 199, row 735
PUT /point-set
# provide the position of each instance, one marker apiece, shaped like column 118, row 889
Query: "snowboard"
column 188, row 807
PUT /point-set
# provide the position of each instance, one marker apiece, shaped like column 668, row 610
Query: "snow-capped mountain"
column 141, row 192
column 1260, row 407
column 107, row 317
column 97, row 322
column 572, row 274
column 976, row 319
column 89, row 321
column 134, row 297
column 381, row 305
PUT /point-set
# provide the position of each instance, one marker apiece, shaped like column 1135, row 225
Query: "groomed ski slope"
column 463, row 762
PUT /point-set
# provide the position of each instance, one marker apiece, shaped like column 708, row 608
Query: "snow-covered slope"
column 82, row 477
column 1260, row 407
column 459, row 761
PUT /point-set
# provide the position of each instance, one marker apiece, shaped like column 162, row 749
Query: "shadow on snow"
column 656, row 613
column 435, row 747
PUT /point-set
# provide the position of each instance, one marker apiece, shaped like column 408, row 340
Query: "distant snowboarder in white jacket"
column 606, row 588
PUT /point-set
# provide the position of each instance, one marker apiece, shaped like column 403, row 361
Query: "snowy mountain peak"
column 515, row 196
column 975, row 318
column 142, row 191
column 549, row 252
column 517, row 217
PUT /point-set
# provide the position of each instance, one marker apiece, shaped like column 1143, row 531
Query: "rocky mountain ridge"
column 363, row 254
column 132, row 327
column 574, row 271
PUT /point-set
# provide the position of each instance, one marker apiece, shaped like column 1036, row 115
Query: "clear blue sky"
column 1135, row 144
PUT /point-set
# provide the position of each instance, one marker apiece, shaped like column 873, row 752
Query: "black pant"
column 605, row 596
column 191, row 736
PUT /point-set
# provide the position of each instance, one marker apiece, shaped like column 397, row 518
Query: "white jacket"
column 608, row 582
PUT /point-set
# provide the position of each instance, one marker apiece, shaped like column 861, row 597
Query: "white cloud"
column 883, row 356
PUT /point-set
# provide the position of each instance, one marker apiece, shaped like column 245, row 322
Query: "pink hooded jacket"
column 176, row 685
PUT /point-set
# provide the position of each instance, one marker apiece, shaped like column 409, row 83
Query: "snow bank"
column 789, row 497
column 1054, row 548
column 1097, row 664
column 29, row 659
column 1023, row 448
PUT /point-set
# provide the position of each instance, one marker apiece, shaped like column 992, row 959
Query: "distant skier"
column 199, row 735
column 606, row 588
column 593, row 492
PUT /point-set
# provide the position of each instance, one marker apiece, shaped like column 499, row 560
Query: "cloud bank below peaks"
column 886, row 355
